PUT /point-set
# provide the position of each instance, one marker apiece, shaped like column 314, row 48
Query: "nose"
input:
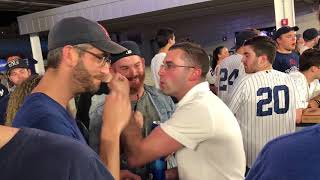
column 133, row 71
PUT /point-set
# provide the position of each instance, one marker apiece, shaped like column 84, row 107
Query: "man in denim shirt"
column 154, row 105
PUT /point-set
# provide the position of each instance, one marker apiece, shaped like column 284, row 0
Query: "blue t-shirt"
column 42, row 112
column 33, row 154
column 295, row 156
column 286, row 62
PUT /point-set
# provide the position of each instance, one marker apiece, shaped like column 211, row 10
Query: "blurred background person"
column 311, row 38
column 219, row 53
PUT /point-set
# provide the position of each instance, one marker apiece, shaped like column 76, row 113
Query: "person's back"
column 294, row 156
column 156, row 62
column 231, row 70
column 34, row 154
column 307, row 90
column 265, row 106
column 217, row 154
column 42, row 112
column 165, row 38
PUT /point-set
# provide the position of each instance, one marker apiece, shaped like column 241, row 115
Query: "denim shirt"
column 162, row 103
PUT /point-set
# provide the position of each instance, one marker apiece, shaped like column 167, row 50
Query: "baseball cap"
column 133, row 49
column 284, row 30
column 243, row 36
column 16, row 63
column 78, row 30
column 310, row 34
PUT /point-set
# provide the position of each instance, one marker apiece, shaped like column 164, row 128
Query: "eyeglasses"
column 170, row 66
column 103, row 59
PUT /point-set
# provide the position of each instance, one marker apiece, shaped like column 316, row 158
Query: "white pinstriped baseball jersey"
column 307, row 91
column 231, row 70
column 265, row 106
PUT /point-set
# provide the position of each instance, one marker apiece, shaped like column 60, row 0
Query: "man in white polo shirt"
column 203, row 132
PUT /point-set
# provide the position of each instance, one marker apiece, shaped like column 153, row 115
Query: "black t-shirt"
column 34, row 154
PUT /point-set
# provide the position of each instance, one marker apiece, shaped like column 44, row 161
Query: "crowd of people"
column 232, row 117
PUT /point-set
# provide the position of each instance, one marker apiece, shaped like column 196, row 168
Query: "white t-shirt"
column 213, row 147
column 230, row 71
column 156, row 63
column 307, row 91
column 265, row 106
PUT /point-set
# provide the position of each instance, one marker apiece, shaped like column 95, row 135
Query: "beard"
column 135, row 86
column 83, row 80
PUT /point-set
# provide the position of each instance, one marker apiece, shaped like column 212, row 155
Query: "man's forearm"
column 110, row 153
column 133, row 141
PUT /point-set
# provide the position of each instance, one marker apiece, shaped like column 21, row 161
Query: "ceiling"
column 10, row 9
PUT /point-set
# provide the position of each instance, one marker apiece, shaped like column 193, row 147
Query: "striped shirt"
column 231, row 70
column 306, row 90
column 265, row 106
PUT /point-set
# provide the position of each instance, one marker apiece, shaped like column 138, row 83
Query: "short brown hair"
column 194, row 54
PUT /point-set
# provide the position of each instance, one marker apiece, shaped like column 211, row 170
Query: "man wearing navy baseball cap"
column 78, row 61
column 311, row 38
column 286, row 59
column 17, row 70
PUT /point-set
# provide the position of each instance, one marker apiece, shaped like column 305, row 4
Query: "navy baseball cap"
column 242, row 37
column 133, row 49
column 310, row 34
column 17, row 63
column 78, row 30
column 284, row 30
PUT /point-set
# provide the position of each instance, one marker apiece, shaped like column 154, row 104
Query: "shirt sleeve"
column 300, row 94
column 237, row 97
column 189, row 125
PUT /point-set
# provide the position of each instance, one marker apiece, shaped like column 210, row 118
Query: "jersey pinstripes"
column 231, row 70
column 265, row 105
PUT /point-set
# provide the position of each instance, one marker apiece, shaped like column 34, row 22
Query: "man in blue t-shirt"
column 30, row 154
column 295, row 156
column 286, row 59
column 78, row 62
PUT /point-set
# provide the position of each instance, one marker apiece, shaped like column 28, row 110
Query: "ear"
column 143, row 62
column 195, row 74
column 172, row 40
column 263, row 60
column 313, row 68
column 70, row 56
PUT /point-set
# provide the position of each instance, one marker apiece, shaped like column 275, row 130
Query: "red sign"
column 284, row 22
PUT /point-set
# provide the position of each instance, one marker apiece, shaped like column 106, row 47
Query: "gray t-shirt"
column 148, row 111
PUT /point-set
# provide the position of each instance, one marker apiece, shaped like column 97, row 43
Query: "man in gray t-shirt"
column 148, row 100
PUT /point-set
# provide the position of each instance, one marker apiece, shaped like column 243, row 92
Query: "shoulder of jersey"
column 233, row 57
